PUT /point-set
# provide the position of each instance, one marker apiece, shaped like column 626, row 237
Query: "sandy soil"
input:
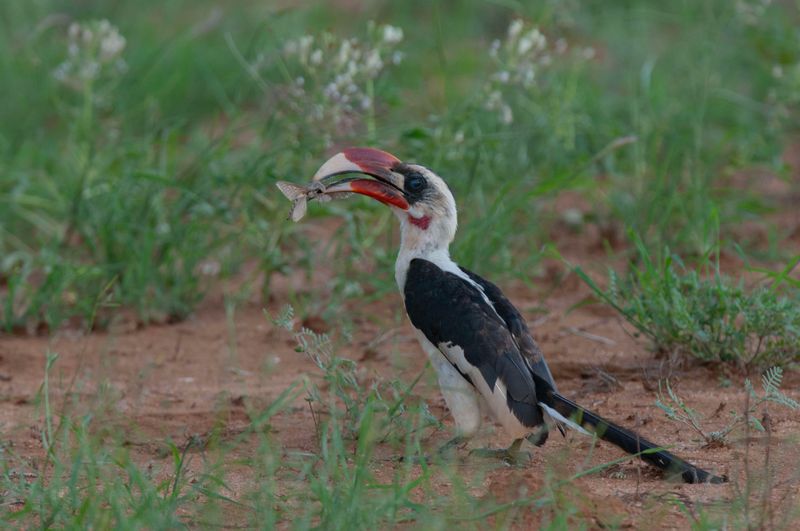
column 175, row 381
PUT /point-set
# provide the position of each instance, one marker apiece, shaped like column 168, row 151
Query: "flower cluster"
column 335, row 77
column 784, row 94
column 751, row 11
column 519, row 57
column 94, row 48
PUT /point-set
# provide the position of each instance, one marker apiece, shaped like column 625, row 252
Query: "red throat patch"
column 422, row 222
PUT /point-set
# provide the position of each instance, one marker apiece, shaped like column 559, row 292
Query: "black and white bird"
column 477, row 341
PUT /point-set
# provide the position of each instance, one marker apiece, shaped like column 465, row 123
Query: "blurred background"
column 627, row 171
column 140, row 141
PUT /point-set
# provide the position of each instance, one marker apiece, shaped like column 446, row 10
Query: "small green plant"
column 677, row 409
column 708, row 317
column 755, row 504
column 346, row 396
column 331, row 84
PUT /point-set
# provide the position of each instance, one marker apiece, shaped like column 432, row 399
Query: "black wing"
column 448, row 309
column 627, row 440
column 518, row 327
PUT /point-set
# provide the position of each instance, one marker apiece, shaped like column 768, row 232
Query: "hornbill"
column 477, row 341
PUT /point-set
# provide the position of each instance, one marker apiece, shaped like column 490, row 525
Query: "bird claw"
column 415, row 459
column 512, row 457
column 455, row 442
column 444, row 452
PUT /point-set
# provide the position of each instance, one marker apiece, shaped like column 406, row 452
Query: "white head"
column 419, row 198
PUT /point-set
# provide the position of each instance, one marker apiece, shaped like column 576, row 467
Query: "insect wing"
column 299, row 208
column 290, row 190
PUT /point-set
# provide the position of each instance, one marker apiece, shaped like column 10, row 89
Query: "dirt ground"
column 174, row 381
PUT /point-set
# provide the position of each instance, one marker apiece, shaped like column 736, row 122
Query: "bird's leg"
column 456, row 441
column 443, row 451
column 539, row 437
column 511, row 455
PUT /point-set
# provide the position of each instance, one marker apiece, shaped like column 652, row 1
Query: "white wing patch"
column 561, row 418
column 495, row 398
column 458, row 393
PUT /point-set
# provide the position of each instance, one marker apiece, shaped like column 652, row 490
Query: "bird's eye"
column 415, row 183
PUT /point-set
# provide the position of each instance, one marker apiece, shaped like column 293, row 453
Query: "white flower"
column 588, row 53
column 777, row 71
column 458, row 137
column 525, row 44
column 112, row 45
column 336, row 73
column 515, row 28
column 750, row 11
column 495, row 47
column 561, row 45
column 331, row 91
column 573, row 217
column 304, row 47
column 494, row 100
column 502, row 76
column 93, row 48
column 344, row 52
column 392, row 34
column 519, row 57
column 538, row 38
column 306, row 41
column 61, row 73
column 506, row 116
column 528, row 77
column 373, row 63
column 89, row 70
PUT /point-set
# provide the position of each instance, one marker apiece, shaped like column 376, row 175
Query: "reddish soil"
column 172, row 382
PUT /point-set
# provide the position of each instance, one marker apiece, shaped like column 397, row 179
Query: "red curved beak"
column 387, row 186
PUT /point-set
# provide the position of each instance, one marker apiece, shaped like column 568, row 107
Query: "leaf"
column 756, row 424
column 771, row 380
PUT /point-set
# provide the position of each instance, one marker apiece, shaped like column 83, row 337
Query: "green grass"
column 676, row 409
column 366, row 472
column 704, row 314
column 92, row 475
column 119, row 190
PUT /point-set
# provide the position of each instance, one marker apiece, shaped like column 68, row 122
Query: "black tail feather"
column 631, row 442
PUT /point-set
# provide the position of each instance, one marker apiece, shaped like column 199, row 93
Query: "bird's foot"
column 445, row 449
column 512, row 455
column 415, row 459
column 444, row 452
